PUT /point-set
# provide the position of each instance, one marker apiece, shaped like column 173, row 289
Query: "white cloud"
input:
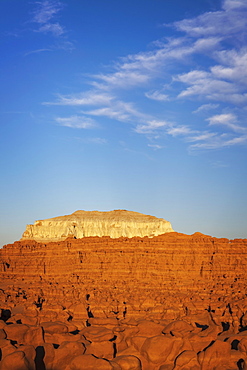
column 219, row 142
column 227, row 119
column 207, row 63
column 97, row 140
column 156, row 146
column 90, row 97
column 119, row 110
column 110, row 112
column 120, row 79
column 157, row 95
column 179, row 130
column 224, row 119
column 151, row 126
column 204, row 136
column 37, row 51
column 46, row 10
column 55, row 28
column 80, row 122
column 234, row 4
column 205, row 107
column 206, row 84
column 43, row 15
column 229, row 21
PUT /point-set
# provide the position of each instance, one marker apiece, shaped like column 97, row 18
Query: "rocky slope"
column 94, row 223
column 169, row 302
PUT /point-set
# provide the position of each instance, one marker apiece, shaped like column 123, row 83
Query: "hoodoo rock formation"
column 171, row 302
column 94, row 223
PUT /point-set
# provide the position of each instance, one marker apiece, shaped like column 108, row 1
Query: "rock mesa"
column 82, row 224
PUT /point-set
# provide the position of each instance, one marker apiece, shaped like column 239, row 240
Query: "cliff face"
column 85, row 223
column 169, row 269
column 172, row 302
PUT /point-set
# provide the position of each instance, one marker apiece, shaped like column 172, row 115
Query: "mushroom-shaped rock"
column 178, row 326
column 30, row 355
column 16, row 332
column 187, row 360
column 97, row 333
column 103, row 349
column 34, row 336
column 15, row 361
column 161, row 349
column 6, row 347
column 217, row 356
column 149, row 328
column 128, row 362
column 103, row 321
column 66, row 353
column 54, row 327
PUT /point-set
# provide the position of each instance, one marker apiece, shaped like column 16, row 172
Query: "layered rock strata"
column 94, row 223
column 169, row 302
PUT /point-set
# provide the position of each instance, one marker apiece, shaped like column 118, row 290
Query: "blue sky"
column 137, row 105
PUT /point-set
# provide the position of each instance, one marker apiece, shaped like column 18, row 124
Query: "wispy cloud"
column 79, row 122
column 157, row 95
column 91, row 97
column 219, row 142
column 206, row 107
column 44, row 15
column 45, row 20
column 227, row 22
column 227, row 119
column 206, row 63
column 151, row 126
column 37, row 51
column 156, row 146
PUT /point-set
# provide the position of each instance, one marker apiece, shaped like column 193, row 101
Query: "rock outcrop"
column 171, row 302
column 94, row 223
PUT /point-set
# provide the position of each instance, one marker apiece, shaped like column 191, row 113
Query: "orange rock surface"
column 173, row 301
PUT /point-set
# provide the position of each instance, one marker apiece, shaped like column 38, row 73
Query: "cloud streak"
column 44, row 16
column 79, row 122
column 204, row 64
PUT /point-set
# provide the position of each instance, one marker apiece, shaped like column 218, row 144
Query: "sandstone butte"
column 170, row 302
column 94, row 223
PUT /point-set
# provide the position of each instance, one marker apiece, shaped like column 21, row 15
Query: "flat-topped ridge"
column 120, row 214
column 81, row 223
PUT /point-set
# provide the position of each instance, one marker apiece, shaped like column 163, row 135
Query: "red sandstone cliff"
column 171, row 302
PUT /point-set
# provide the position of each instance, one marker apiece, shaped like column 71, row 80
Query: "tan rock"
column 93, row 223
